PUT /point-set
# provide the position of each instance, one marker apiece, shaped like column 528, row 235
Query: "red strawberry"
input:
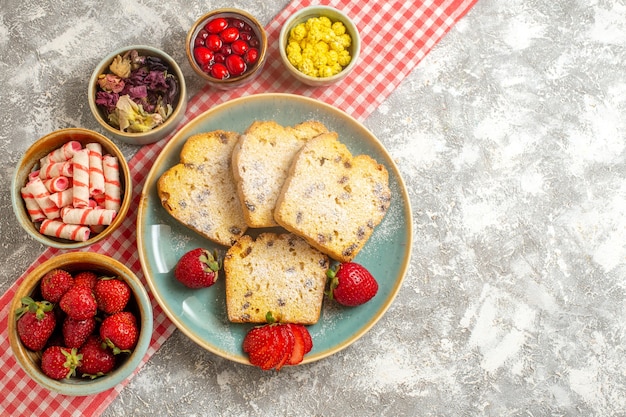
column 260, row 343
column 86, row 278
column 272, row 345
column 302, row 343
column 54, row 284
column 35, row 323
column 59, row 362
column 351, row 284
column 111, row 294
column 119, row 331
column 75, row 332
column 79, row 303
column 286, row 345
column 97, row 358
column 198, row 268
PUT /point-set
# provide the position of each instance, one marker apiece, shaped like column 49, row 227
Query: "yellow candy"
column 298, row 33
column 318, row 47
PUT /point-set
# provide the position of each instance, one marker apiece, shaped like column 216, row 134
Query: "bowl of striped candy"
column 71, row 188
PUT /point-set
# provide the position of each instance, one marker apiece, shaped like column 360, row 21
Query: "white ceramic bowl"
column 334, row 15
column 160, row 131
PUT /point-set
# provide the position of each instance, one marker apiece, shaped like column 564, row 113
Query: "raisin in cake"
column 200, row 191
column 277, row 273
column 261, row 160
column 333, row 199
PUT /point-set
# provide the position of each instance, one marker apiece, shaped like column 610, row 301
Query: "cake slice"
column 332, row 199
column 261, row 160
column 276, row 273
column 200, row 191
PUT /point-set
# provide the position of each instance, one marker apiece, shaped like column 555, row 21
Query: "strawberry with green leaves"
column 97, row 359
column 112, row 294
column 35, row 323
column 198, row 268
column 59, row 362
column 54, row 284
column 120, row 332
column 351, row 284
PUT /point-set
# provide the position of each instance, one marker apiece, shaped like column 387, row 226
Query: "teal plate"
column 201, row 314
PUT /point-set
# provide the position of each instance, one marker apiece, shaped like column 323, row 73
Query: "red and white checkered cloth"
column 396, row 35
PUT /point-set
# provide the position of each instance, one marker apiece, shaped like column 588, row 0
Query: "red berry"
column 59, row 362
column 203, row 55
column 235, row 65
column 237, row 23
column 202, row 34
column 285, row 345
column 226, row 50
column 275, row 345
column 197, row 268
column 216, row 25
column 97, row 359
column 75, row 332
column 230, row 34
column 112, row 294
column 302, row 343
column 219, row 71
column 198, row 42
column 351, row 284
column 245, row 36
column 251, row 56
column 79, row 303
column 213, row 42
column 35, row 323
column 86, row 278
column 119, row 331
column 239, row 47
column 262, row 346
column 54, row 284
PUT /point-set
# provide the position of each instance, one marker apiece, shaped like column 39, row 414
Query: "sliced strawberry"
column 275, row 351
column 306, row 336
column 302, row 343
column 261, row 356
column 287, row 345
column 259, row 344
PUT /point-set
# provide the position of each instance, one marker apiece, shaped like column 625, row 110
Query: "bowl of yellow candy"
column 319, row 45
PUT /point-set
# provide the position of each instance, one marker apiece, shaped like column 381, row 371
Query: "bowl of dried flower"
column 137, row 94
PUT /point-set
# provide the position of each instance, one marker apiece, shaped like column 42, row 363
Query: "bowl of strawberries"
column 80, row 323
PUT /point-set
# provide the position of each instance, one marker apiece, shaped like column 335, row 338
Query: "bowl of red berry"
column 138, row 94
column 80, row 323
column 227, row 48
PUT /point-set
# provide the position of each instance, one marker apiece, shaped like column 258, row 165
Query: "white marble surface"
column 511, row 138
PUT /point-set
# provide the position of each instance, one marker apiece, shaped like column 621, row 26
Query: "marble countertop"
column 510, row 136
